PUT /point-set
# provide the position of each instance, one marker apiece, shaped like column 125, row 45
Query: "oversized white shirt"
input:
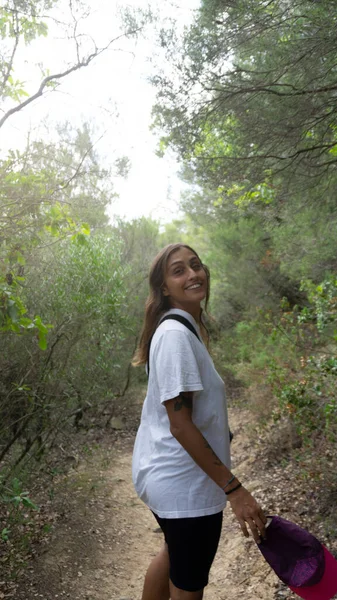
column 165, row 476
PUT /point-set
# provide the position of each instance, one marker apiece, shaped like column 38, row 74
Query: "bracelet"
column 234, row 489
column 228, row 482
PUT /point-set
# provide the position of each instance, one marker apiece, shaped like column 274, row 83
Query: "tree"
column 261, row 76
column 49, row 192
column 92, row 290
column 251, row 111
column 78, row 287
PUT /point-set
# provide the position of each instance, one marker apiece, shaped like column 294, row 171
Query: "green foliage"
column 43, row 201
column 18, row 514
column 16, row 496
column 20, row 23
column 12, row 315
column 296, row 352
column 323, row 305
column 92, row 289
column 250, row 111
column 255, row 100
column 311, row 401
column 5, row 534
column 62, row 290
column 82, row 296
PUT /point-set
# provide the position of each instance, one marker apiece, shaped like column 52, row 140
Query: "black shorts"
column 192, row 544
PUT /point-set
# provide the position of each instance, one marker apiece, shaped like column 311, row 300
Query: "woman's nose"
column 190, row 271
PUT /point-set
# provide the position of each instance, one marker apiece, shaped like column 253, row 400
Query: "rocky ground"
column 103, row 537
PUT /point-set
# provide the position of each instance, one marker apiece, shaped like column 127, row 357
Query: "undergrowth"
column 287, row 360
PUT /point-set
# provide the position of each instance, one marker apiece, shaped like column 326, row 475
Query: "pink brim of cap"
column 326, row 588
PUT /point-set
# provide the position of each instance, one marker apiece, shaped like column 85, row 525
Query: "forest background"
column 246, row 99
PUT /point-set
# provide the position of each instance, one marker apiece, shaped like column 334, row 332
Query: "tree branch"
column 10, row 63
column 275, row 156
column 228, row 92
column 58, row 76
column 77, row 169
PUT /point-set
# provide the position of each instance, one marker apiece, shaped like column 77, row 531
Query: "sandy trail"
column 105, row 536
column 238, row 571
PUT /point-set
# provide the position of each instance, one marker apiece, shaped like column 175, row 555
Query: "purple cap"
column 300, row 560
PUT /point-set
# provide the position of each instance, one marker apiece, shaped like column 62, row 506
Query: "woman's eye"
column 180, row 270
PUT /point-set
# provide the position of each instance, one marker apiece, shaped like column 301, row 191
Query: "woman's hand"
column 248, row 511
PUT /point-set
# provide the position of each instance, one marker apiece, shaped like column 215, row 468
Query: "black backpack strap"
column 173, row 317
column 182, row 320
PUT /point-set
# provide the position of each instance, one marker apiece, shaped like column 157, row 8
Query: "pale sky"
column 113, row 93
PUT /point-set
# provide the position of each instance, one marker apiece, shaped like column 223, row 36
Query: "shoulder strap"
column 182, row 320
column 173, row 317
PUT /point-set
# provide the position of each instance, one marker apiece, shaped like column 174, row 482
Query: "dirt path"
column 105, row 537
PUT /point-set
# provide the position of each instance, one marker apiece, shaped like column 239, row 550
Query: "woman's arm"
column 244, row 506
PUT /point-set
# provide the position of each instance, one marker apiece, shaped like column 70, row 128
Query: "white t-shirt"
column 165, row 476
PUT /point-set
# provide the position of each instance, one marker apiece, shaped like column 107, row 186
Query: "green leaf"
column 26, row 323
column 5, row 534
column 85, row 229
column 13, row 313
column 54, row 230
column 20, row 259
column 81, row 238
column 42, row 341
column 29, row 503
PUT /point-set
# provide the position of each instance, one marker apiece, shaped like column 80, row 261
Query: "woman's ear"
column 165, row 291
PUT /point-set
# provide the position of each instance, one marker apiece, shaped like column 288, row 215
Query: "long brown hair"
column 157, row 304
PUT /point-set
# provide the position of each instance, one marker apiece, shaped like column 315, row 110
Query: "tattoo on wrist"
column 182, row 401
column 217, row 460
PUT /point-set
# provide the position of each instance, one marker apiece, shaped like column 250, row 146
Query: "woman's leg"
column 177, row 594
column 156, row 584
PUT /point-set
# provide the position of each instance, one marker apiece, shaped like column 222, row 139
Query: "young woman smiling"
column 181, row 460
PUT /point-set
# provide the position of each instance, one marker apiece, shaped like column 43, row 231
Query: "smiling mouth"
column 194, row 286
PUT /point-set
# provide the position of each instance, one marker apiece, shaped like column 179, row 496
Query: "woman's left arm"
column 244, row 505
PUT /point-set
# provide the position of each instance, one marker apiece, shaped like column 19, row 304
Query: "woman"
column 181, row 460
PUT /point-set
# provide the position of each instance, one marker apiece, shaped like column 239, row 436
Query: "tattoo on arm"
column 183, row 401
column 217, row 460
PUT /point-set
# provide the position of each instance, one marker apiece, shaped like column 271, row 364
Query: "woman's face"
column 185, row 282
